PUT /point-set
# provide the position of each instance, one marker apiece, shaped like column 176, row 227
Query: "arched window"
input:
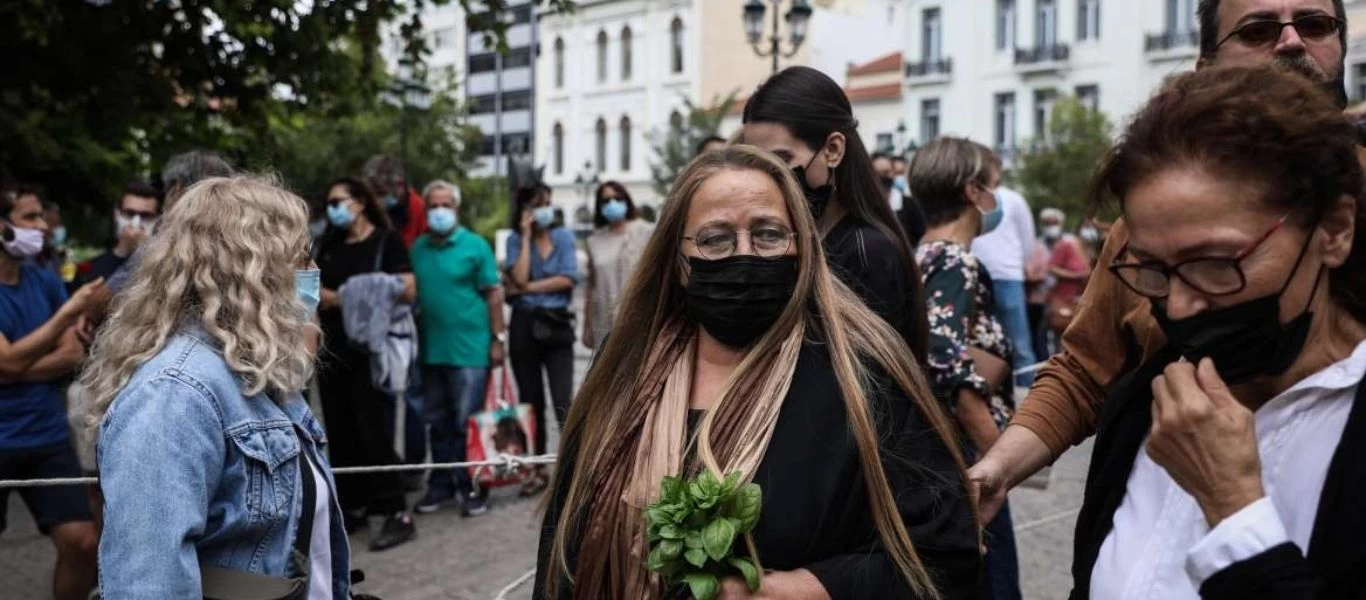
column 676, row 44
column 559, row 62
column 602, row 56
column 676, row 122
column 626, row 53
column 557, row 135
column 625, row 143
column 601, row 140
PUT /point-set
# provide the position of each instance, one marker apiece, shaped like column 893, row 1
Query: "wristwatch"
column 501, row 337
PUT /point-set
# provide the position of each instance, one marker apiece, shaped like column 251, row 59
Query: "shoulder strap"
column 379, row 252
column 303, row 535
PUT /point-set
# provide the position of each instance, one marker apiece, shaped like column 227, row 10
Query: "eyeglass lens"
column 1310, row 27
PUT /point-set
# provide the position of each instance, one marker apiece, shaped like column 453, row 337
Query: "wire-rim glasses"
column 1212, row 276
column 769, row 240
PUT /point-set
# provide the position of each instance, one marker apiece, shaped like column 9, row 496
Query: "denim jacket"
column 194, row 473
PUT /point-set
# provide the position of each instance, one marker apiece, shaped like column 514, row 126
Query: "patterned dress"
column 960, row 305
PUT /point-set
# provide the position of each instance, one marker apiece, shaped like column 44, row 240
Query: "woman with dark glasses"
column 1228, row 466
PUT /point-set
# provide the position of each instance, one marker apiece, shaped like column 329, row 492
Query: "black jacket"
column 1336, row 566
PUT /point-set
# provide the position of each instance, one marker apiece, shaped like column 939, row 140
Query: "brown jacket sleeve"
column 1063, row 407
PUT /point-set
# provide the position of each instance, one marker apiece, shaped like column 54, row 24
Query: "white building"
column 990, row 70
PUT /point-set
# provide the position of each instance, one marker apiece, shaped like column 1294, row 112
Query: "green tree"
column 99, row 91
column 1058, row 171
column 674, row 147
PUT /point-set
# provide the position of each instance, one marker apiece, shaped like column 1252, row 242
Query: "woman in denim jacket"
column 207, row 452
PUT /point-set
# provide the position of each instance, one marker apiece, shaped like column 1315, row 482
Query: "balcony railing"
column 931, row 67
column 1171, row 40
column 1052, row 53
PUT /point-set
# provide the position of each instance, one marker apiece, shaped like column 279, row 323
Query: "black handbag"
column 553, row 327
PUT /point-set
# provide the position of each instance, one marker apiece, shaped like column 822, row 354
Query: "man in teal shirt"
column 461, row 336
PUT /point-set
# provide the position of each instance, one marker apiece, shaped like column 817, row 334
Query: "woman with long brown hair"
column 755, row 351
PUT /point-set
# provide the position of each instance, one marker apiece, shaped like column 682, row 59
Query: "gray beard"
column 1335, row 87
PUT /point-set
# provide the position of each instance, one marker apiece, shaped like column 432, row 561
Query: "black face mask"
column 738, row 298
column 1245, row 340
column 886, row 183
column 816, row 198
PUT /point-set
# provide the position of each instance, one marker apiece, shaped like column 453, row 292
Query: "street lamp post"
column 901, row 138
column 798, row 17
column 586, row 180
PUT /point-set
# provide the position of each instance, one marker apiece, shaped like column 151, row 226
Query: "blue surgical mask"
column 992, row 219
column 442, row 220
column 308, row 287
column 340, row 216
column 59, row 236
column 614, row 211
column 391, row 201
column 545, row 217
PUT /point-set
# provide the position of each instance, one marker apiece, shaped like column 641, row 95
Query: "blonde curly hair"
column 222, row 258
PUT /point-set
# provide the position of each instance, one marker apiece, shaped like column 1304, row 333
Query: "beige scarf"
column 742, row 423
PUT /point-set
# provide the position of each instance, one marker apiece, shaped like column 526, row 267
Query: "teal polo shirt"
column 452, row 276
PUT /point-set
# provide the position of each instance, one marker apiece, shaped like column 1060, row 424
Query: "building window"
column 488, row 103
column 1180, row 16
column 1088, row 19
column 1046, row 26
column 601, row 140
column 443, row 38
column 625, row 144
column 557, row 136
column 676, row 45
column 931, row 35
column 488, row 61
column 626, row 38
column 1359, row 83
column 559, row 62
column 1005, row 24
column 884, row 143
column 676, row 122
column 1089, row 96
column 1043, row 110
column 929, row 120
column 602, row 57
column 1005, row 122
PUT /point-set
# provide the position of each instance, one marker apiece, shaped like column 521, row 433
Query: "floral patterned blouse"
column 959, row 301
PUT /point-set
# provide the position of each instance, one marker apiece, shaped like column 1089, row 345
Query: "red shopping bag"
column 503, row 427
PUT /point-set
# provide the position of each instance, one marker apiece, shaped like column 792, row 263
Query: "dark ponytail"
column 812, row 106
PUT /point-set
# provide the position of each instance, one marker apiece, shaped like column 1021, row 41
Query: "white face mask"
column 27, row 243
column 121, row 223
column 1052, row 232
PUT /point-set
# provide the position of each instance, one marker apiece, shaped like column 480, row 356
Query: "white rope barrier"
column 508, row 463
column 1030, row 369
column 516, row 583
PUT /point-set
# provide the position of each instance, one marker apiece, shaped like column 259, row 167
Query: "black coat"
column 1336, row 565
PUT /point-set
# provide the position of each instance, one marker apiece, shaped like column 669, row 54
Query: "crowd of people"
column 796, row 288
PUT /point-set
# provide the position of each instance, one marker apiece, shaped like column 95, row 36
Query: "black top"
column 340, row 261
column 872, row 264
column 816, row 513
column 912, row 219
column 103, row 265
column 1336, row 565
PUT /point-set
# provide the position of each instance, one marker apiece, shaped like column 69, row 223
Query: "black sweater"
column 816, row 513
column 1336, row 565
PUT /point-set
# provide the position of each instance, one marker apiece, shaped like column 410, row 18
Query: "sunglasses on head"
column 1261, row 33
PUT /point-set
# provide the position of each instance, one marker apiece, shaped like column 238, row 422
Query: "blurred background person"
column 55, row 256
column 970, row 352
column 709, row 143
column 804, row 117
column 613, row 249
column 542, row 270
column 1069, row 269
column 1038, row 280
column 135, row 217
column 1003, row 250
column 407, row 212
column 359, row 416
column 746, row 355
column 42, row 340
column 461, row 335
column 194, row 386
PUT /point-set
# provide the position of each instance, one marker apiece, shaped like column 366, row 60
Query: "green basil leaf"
column 658, row 514
column 718, row 538
column 671, row 490
column 746, row 506
column 751, row 573
column 732, row 482
column 656, row 560
column 671, row 549
column 693, row 540
column 696, row 556
column 704, row 586
column 670, row 532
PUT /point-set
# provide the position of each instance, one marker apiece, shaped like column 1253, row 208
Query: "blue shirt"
column 562, row 261
column 31, row 414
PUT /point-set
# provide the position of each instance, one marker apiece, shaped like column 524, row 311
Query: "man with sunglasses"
column 134, row 219
column 1113, row 330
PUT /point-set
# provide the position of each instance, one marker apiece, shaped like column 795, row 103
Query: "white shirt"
column 1005, row 250
column 1161, row 547
column 320, row 544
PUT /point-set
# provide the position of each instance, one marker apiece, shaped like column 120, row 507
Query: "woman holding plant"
column 771, row 423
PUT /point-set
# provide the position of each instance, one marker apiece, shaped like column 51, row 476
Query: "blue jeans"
column 1013, row 313
column 452, row 394
column 1003, row 564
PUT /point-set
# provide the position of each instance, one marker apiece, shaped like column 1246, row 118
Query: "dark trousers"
column 1003, row 563
column 452, row 395
column 360, row 425
column 529, row 359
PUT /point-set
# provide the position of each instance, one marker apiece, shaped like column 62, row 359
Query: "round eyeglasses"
column 768, row 240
